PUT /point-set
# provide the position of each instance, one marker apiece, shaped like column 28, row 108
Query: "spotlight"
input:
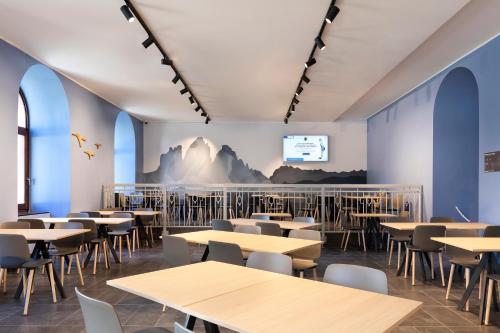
column 176, row 78
column 286, row 120
column 166, row 61
column 198, row 108
column 147, row 43
column 127, row 13
column 207, row 120
column 191, row 100
column 319, row 43
column 203, row 113
column 183, row 91
column 310, row 62
column 295, row 100
column 299, row 90
column 292, row 108
column 306, row 79
column 331, row 14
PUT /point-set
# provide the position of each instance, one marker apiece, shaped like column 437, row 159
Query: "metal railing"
column 197, row 205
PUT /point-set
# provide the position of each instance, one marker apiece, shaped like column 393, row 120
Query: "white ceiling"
column 242, row 59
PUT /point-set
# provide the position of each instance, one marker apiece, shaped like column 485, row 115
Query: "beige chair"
column 248, row 229
column 490, row 282
column 359, row 277
column 305, row 259
column 272, row 262
column 401, row 237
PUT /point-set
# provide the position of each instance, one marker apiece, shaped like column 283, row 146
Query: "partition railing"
column 196, row 205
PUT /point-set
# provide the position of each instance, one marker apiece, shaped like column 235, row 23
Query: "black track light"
column 288, row 114
column 285, row 120
column 203, row 113
column 207, row 120
column 191, row 100
column 306, row 79
column 299, row 90
column 183, row 91
column 295, row 100
column 198, row 108
column 127, row 13
column 331, row 14
column 176, row 78
column 310, row 62
column 319, row 43
column 166, row 61
column 147, row 43
column 292, row 108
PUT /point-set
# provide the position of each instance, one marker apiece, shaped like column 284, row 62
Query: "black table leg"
column 210, row 327
column 402, row 264
column 422, row 266
column 89, row 255
column 190, row 321
column 205, row 254
column 103, row 232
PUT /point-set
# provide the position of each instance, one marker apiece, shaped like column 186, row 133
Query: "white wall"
column 260, row 144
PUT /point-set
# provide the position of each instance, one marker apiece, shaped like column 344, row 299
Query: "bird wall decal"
column 80, row 138
column 89, row 153
column 98, row 145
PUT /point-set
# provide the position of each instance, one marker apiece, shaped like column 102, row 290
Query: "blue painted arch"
column 124, row 154
column 50, row 156
column 456, row 146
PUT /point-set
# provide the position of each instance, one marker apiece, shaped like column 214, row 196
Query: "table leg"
column 401, row 264
column 190, row 321
column 102, row 232
column 422, row 266
column 205, row 254
column 209, row 327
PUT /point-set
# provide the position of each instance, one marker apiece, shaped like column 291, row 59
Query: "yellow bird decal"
column 80, row 138
column 98, row 145
column 89, row 153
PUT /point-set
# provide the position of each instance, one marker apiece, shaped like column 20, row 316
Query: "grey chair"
column 349, row 227
column 248, row 229
column 34, row 223
column 491, row 279
column 422, row 243
column 400, row 237
column 118, row 231
column 15, row 225
column 228, row 253
column 101, row 317
column 442, row 219
column 93, row 243
column 222, row 225
column 15, row 254
column 175, row 251
column 93, row 214
column 260, row 217
column 147, row 222
column 307, row 219
column 359, row 277
column 492, row 231
column 178, row 328
column 461, row 258
column 69, row 249
column 77, row 215
column 305, row 259
column 272, row 262
column 270, row 229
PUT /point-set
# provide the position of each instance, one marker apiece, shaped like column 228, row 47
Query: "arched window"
column 23, row 153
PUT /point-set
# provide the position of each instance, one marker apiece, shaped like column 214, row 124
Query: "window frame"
column 25, row 131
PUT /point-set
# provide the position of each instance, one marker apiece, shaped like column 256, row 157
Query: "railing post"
column 164, row 201
column 224, row 203
column 420, row 208
column 323, row 211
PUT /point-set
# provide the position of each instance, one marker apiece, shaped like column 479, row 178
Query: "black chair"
column 222, row 225
column 94, row 243
column 118, row 231
column 270, row 229
column 78, row 215
column 15, row 225
column 175, row 251
column 147, row 222
column 67, row 249
column 34, row 223
column 228, row 253
column 442, row 219
column 400, row 237
column 492, row 231
column 93, row 214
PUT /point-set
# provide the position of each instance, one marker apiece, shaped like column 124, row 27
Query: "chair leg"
column 105, row 253
column 390, row 248
column 133, row 240
column 399, row 254
column 114, row 242
column 62, row 270
column 413, row 270
column 138, row 243
column 347, row 240
column 441, row 270
column 407, row 260
column 28, row 291
column 315, row 274
column 431, row 257
column 164, row 308
column 24, row 281
column 50, row 271
column 388, row 242
column 120, row 246
column 128, row 247
column 364, row 242
column 359, row 239
column 5, row 281
column 450, row 280
column 342, row 241
column 301, row 274
column 467, row 280
column 488, row 302
column 96, row 254
column 79, row 269
column 70, row 263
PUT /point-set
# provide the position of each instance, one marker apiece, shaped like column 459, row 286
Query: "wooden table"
column 248, row 242
column 277, row 215
column 40, row 236
column 485, row 245
column 249, row 300
column 97, row 220
column 410, row 226
column 286, row 225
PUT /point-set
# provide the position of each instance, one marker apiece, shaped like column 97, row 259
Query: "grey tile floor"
column 436, row 315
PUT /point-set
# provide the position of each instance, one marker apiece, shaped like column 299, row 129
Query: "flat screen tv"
column 305, row 148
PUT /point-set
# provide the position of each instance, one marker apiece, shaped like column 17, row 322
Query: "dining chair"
column 305, row 259
column 147, row 221
column 348, row 228
column 307, row 219
column 228, row 253
column 69, row 249
column 492, row 231
column 175, row 251
column 93, row 214
column 178, row 328
column 442, row 219
column 77, row 215
column 461, row 258
column 359, row 277
column 118, row 231
column 222, row 225
column 15, row 254
column 100, row 316
column 14, row 225
column 260, row 217
column 400, row 237
column 248, row 229
column 491, row 279
column 422, row 243
column 94, row 243
column 34, row 223
column 272, row 262
column 270, row 229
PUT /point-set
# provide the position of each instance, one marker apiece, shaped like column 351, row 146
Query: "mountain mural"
column 198, row 168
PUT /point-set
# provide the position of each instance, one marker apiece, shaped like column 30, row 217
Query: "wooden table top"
column 408, row 226
column 135, row 212
column 270, row 214
column 249, row 242
column 97, row 220
column 473, row 244
column 380, row 215
column 249, row 300
column 288, row 225
column 44, row 234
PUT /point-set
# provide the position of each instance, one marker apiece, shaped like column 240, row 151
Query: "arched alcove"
column 49, row 134
column 456, row 146
column 124, row 149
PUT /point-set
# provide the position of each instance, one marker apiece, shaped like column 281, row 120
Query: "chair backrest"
column 87, row 224
column 222, row 225
column 270, row 229
column 307, row 219
column 125, row 226
column 359, row 277
column 453, row 251
column 98, row 316
column 247, row 229
column 120, row 215
column 73, row 241
column 93, row 214
column 178, row 328
column 492, row 231
column 272, row 262
column 14, row 251
column 34, row 223
column 422, row 237
column 310, row 252
column 144, row 209
column 76, row 215
column 15, row 225
column 225, row 252
column 175, row 251
column 400, row 219
column 344, row 223
column 261, row 217
column 442, row 219
column 111, row 209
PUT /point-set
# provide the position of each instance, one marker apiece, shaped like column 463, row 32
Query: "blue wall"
column 124, row 150
column 400, row 137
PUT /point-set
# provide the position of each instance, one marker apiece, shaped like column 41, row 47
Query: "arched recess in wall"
column 456, row 146
column 49, row 133
column 124, row 149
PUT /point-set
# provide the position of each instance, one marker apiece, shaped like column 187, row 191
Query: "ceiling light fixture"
column 203, row 113
column 176, row 78
column 166, row 61
column 147, row 43
column 292, row 108
column 285, row 120
column 207, row 120
column 306, row 79
column 310, row 62
column 299, row 90
column 319, row 43
column 198, row 108
column 183, row 91
column 332, row 13
column 127, row 13
column 191, row 100
column 295, row 100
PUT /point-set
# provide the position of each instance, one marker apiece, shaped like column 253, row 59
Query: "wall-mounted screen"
column 305, row 148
